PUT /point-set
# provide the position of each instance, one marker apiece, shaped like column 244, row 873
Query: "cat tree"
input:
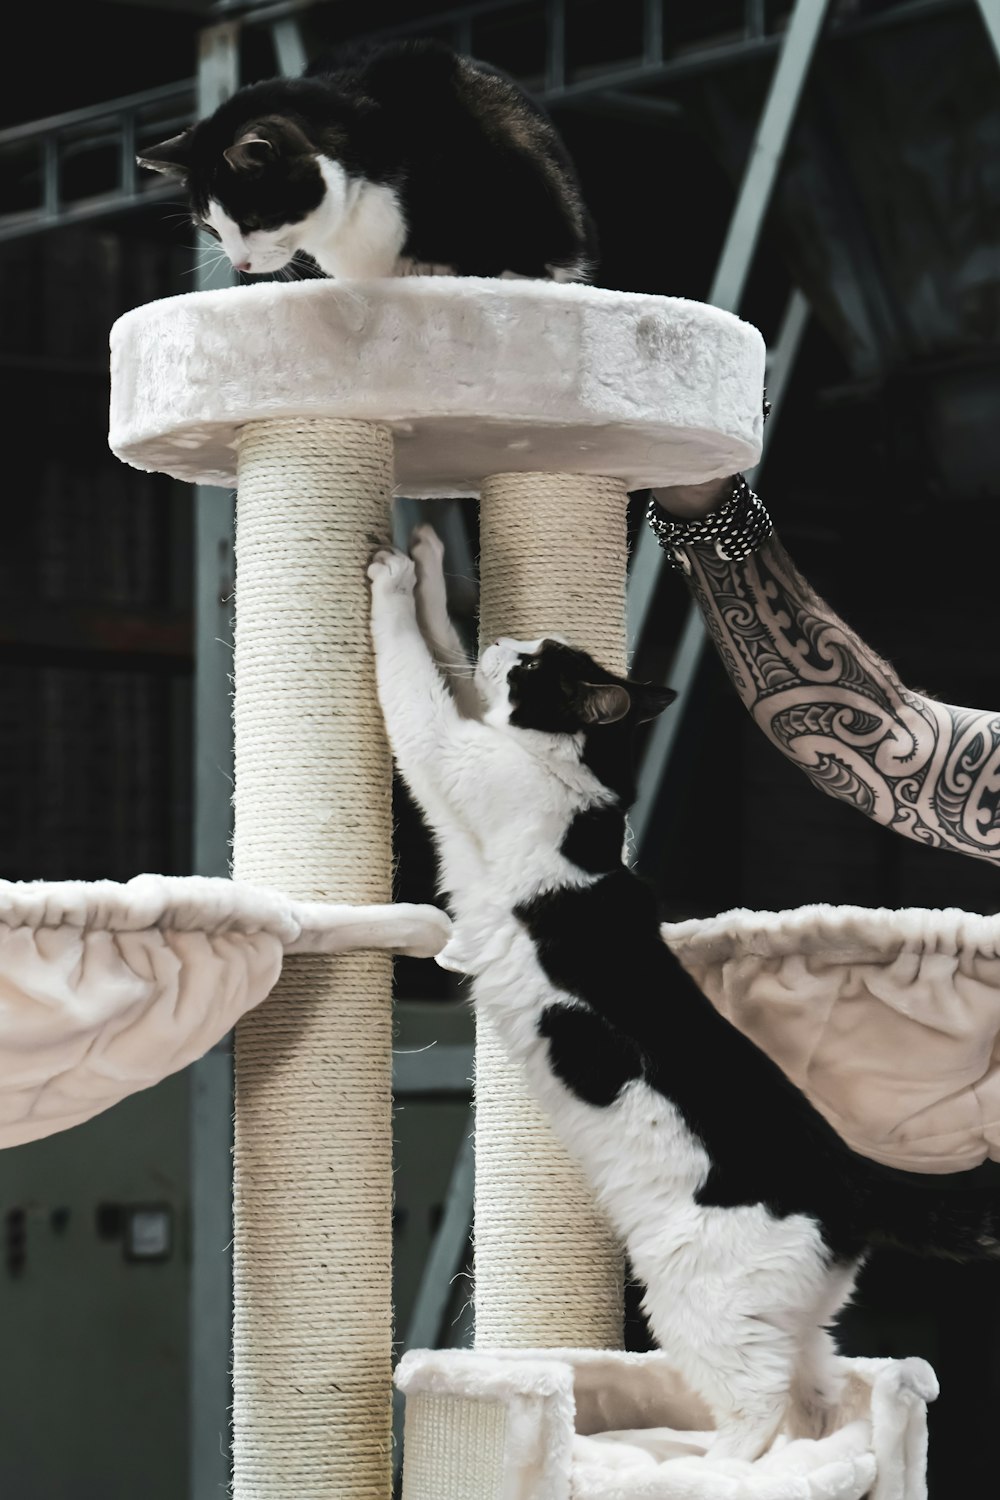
column 315, row 398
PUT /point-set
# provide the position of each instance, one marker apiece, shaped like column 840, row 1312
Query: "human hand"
column 692, row 501
column 392, row 572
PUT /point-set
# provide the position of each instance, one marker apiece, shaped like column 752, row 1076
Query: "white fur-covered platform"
column 474, row 377
column 588, row 1425
column 105, row 988
column 888, row 1020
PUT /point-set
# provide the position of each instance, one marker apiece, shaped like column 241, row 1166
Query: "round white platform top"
column 475, row 377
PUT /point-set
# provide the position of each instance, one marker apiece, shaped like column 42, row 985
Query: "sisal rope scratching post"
column 548, row 1273
column 313, row 1151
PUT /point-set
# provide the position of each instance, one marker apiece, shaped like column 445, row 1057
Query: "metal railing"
column 50, row 144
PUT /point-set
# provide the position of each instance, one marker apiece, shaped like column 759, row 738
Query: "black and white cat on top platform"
column 743, row 1212
column 410, row 159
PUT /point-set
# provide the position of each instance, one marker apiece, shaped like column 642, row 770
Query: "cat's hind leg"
column 818, row 1387
column 748, row 1389
column 732, row 1299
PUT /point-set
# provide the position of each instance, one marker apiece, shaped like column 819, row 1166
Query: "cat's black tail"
column 953, row 1215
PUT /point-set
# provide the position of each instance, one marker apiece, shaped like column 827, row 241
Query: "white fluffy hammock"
column 105, row 989
column 888, row 1020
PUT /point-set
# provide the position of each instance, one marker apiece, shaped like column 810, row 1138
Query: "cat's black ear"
column 172, row 157
column 250, row 153
column 649, row 700
column 603, row 702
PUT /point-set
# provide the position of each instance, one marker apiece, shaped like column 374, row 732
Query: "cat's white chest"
column 359, row 229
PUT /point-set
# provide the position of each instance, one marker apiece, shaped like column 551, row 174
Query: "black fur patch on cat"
column 592, row 1058
column 595, row 839
column 483, row 178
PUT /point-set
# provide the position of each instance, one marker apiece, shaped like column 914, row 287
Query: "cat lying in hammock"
column 412, row 159
column 743, row 1212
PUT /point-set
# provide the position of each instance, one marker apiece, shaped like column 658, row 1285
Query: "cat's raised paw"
column 426, row 548
column 392, row 572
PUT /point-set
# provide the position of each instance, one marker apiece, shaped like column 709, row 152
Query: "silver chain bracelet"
column 734, row 531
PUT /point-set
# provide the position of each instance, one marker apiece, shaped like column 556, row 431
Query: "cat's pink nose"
column 242, row 265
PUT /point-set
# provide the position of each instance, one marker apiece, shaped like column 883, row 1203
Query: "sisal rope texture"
column 548, row 1271
column 313, row 1145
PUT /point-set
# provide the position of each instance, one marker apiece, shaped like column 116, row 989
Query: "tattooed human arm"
column 834, row 707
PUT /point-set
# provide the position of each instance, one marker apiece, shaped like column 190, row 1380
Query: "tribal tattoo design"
column 833, row 707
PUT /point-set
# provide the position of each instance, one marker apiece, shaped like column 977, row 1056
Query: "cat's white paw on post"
column 392, row 572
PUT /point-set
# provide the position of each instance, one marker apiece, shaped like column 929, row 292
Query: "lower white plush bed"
column 594, row 1425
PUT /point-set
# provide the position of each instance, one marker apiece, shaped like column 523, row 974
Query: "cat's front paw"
column 427, row 550
column 392, row 572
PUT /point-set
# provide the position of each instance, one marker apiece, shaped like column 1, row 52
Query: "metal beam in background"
column 58, row 215
column 289, row 48
column 210, row 1394
column 990, row 11
column 462, row 19
column 683, row 670
column 218, row 65
column 767, row 151
column 218, row 78
column 681, row 676
column 72, row 120
column 211, row 1078
column 443, row 1068
column 652, row 68
column 779, row 365
column 115, row 123
column 214, row 582
column 760, row 174
column 443, row 1264
column 448, row 1250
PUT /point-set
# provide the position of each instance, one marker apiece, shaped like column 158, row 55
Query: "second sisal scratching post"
column 548, row 1273
column 313, row 1140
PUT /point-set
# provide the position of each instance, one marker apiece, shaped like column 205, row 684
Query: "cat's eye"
column 209, row 230
column 530, row 663
column 248, row 226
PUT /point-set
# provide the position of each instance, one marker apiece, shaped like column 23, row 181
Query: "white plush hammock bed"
column 105, row 988
column 593, row 1425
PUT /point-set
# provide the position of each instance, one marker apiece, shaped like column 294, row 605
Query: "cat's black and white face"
column 265, row 194
column 549, row 686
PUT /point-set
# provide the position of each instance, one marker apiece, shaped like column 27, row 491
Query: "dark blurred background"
column 876, row 281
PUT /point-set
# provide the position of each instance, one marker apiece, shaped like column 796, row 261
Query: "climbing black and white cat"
column 411, row 158
column 742, row 1211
